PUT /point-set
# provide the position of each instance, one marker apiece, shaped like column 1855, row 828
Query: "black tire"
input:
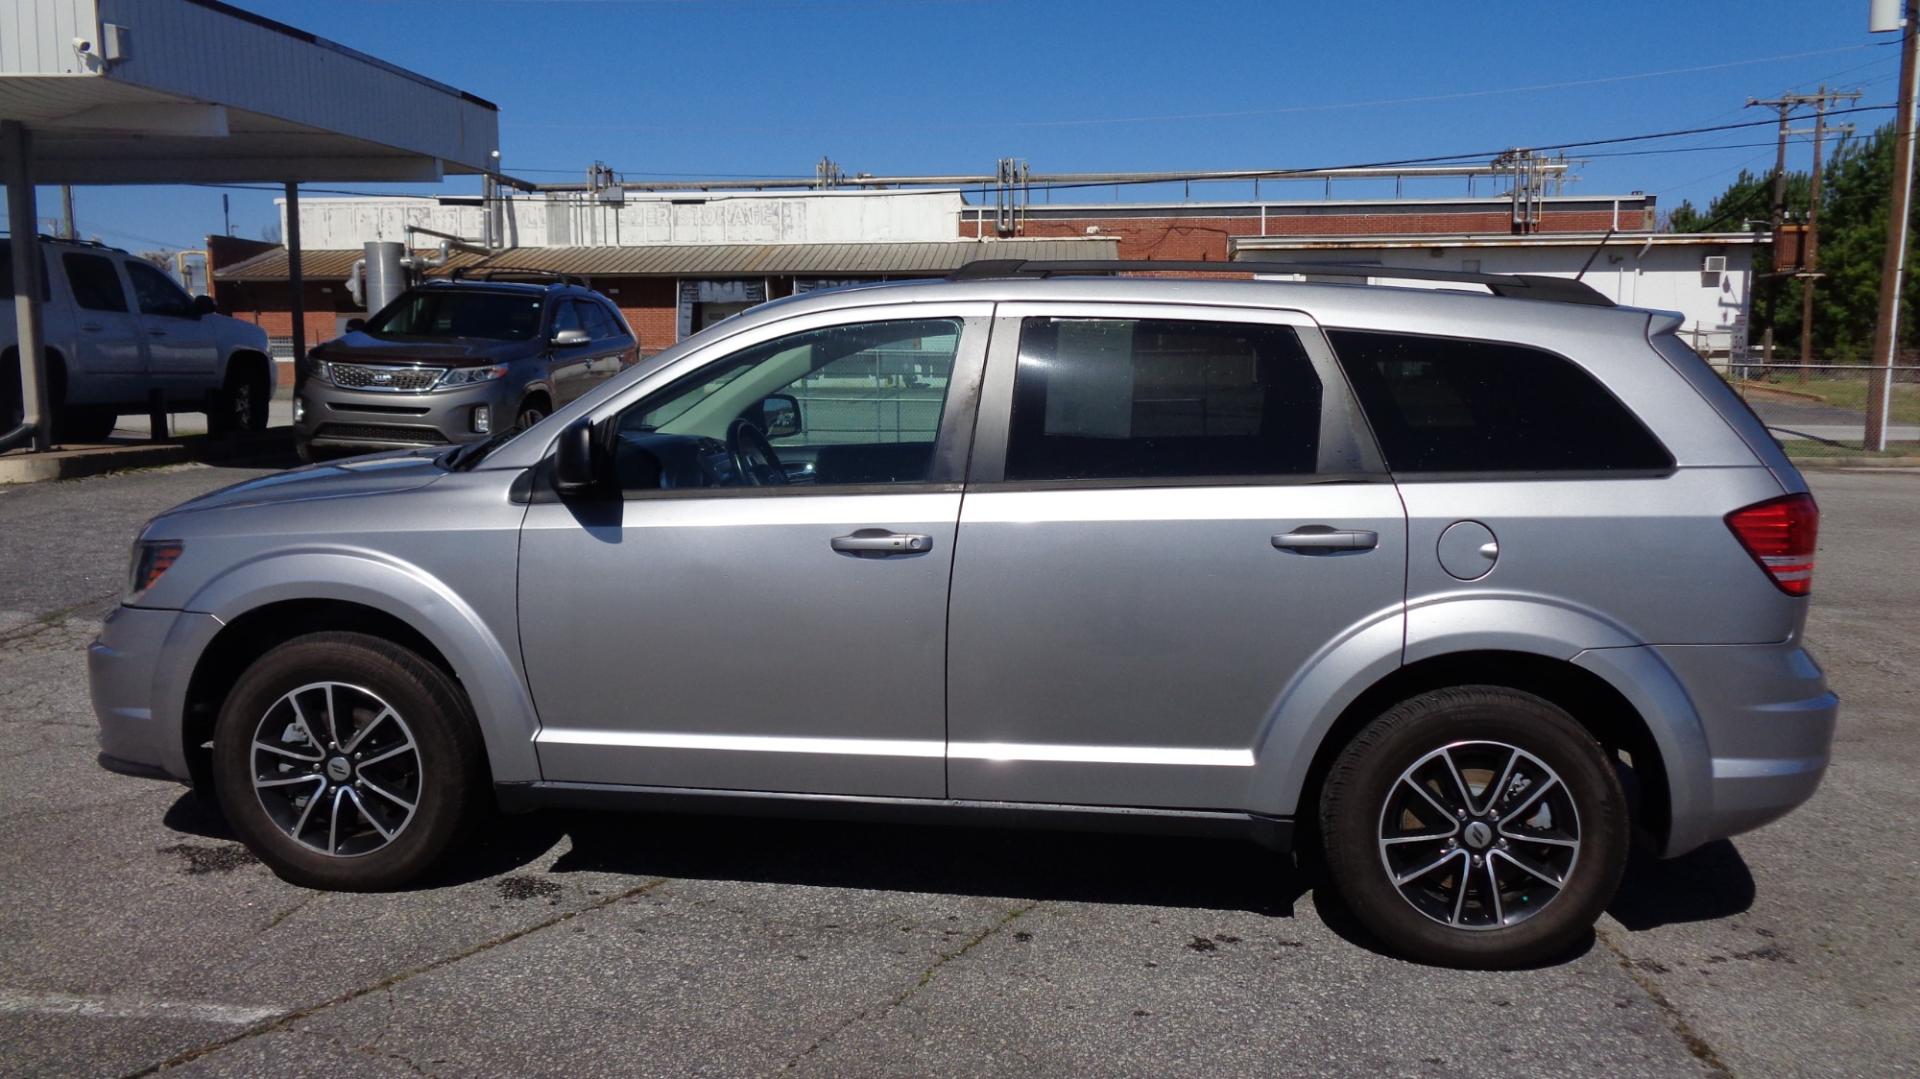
column 303, row 449
column 242, row 403
column 450, row 775
column 1513, row 924
column 75, row 423
column 531, row 411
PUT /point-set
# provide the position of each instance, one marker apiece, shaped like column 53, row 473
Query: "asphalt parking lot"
column 135, row 935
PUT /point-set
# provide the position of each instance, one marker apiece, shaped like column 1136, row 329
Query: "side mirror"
column 575, row 467
column 572, row 339
column 202, row 306
column 355, row 325
column 780, row 415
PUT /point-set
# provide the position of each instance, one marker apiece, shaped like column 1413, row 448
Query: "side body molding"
column 478, row 651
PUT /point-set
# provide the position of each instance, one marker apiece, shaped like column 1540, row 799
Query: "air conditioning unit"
column 1712, row 269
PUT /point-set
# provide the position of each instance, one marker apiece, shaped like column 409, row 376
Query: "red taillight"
column 1780, row 533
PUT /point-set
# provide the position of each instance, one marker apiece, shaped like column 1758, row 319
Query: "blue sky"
column 766, row 87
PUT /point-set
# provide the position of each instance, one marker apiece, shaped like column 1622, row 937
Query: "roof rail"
column 490, row 273
column 75, row 242
column 1516, row 286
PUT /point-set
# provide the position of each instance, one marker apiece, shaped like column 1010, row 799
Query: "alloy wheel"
column 336, row 768
column 1479, row 835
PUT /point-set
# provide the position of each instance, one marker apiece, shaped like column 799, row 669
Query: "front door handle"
column 156, row 333
column 1322, row 538
column 879, row 541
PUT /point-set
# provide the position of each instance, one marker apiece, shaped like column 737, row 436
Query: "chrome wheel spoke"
column 289, row 781
column 1493, row 792
column 1408, row 878
column 1539, row 789
column 1523, row 837
column 366, row 816
column 301, row 824
column 389, row 754
column 1524, row 867
column 300, row 720
column 1493, row 893
column 1392, row 841
column 285, row 752
column 387, row 794
column 1459, row 782
column 361, row 734
column 1460, row 891
column 333, row 824
column 333, row 721
column 1445, row 813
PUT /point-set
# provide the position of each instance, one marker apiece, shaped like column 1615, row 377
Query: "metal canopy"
column 198, row 91
column 185, row 91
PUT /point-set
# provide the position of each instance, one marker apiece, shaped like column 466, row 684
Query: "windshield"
column 490, row 316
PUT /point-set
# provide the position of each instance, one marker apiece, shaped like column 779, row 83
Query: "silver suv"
column 1461, row 588
column 459, row 361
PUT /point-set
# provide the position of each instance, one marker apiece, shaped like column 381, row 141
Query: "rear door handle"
column 91, row 327
column 880, row 541
column 156, row 333
column 1322, row 538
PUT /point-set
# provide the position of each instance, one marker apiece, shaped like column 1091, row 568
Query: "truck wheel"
column 345, row 761
column 74, row 423
column 1477, row 827
column 241, row 405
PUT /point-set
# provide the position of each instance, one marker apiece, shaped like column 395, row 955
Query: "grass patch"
column 1808, row 449
column 1848, row 393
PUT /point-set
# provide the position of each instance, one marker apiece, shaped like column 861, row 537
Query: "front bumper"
column 335, row 417
column 137, row 670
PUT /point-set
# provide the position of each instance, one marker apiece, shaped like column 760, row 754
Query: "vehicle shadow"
column 1078, row 867
column 1709, row 883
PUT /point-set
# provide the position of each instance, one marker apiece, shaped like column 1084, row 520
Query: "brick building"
column 676, row 261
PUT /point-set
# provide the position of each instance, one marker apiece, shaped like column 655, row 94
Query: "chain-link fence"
column 1820, row 409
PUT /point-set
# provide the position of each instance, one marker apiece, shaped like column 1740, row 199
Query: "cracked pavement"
column 136, row 937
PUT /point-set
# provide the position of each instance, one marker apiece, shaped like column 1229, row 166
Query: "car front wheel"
column 347, row 762
column 1478, row 826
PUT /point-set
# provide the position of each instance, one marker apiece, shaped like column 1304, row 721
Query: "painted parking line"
column 16, row 1002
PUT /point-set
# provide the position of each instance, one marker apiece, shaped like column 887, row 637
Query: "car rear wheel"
column 1475, row 827
column 532, row 411
column 347, row 762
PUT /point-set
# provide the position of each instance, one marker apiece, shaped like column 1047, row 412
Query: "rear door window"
column 1443, row 404
column 1157, row 399
column 158, row 294
column 95, row 283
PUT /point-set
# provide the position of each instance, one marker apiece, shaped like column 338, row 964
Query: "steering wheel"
column 753, row 458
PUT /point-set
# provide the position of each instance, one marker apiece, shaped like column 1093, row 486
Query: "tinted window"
column 490, row 316
column 567, row 316
column 157, row 293
column 6, row 273
column 598, row 321
column 857, row 404
column 1441, row 404
column 1149, row 398
column 96, row 286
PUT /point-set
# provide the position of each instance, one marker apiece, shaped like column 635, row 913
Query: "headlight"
column 151, row 559
column 320, row 371
column 466, row 376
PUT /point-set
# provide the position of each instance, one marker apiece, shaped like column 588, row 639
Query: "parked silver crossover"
column 1465, row 586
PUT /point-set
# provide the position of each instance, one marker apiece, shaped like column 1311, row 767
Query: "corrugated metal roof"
column 712, row 260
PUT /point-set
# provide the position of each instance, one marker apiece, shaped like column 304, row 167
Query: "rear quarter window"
column 1444, row 404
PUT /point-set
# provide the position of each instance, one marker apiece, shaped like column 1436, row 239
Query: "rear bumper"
column 137, row 671
column 1769, row 720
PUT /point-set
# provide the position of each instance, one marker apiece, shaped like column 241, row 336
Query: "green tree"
column 1854, row 201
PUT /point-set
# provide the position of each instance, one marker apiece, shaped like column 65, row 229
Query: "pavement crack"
column 1701, row 1049
column 925, row 979
column 43, row 622
column 284, row 1021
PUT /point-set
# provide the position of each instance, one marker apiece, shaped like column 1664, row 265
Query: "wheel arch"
column 241, row 357
column 268, row 601
column 1594, row 701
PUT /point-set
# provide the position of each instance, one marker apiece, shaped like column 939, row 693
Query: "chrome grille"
column 353, row 376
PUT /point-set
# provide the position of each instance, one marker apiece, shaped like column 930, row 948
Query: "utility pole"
column 67, row 228
column 1886, row 330
column 1786, row 104
column 1809, row 274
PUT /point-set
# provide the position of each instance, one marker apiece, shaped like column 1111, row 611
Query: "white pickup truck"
column 118, row 329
